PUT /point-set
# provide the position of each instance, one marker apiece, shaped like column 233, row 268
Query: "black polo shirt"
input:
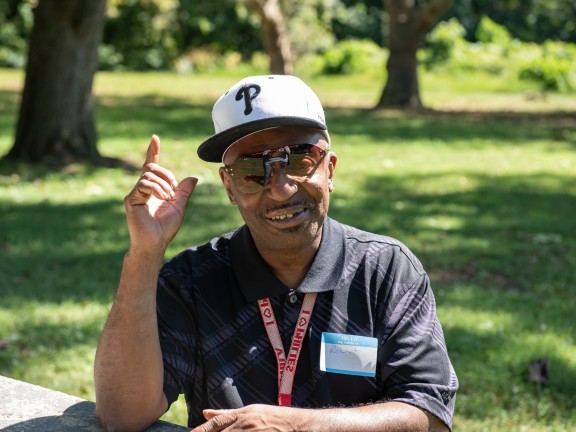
column 216, row 350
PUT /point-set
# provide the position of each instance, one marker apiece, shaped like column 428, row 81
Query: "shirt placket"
column 290, row 309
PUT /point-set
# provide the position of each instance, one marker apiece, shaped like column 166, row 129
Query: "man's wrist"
column 139, row 276
column 151, row 256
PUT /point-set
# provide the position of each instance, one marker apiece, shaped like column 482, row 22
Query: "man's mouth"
column 288, row 212
column 283, row 217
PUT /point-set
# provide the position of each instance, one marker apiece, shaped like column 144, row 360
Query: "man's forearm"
column 378, row 417
column 385, row 416
column 128, row 370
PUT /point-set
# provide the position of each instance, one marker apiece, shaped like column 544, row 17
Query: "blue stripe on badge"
column 344, row 339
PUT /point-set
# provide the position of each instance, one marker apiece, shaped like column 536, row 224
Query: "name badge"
column 348, row 354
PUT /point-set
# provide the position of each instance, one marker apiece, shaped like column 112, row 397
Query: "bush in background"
column 15, row 25
column 551, row 64
column 554, row 68
column 138, row 36
column 447, row 49
column 327, row 38
column 352, row 56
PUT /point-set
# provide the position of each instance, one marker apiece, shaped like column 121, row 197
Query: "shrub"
column 109, row 58
column 441, row 42
column 496, row 52
column 352, row 56
column 14, row 35
column 490, row 32
column 554, row 69
column 12, row 47
column 447, row 48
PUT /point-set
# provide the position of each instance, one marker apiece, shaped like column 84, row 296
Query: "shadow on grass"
column 505, row 249
column 73, row 252
column 492, row 368
column 511, row 233
column 453, row 127
column 521, row 219
column 169, row 117
column 190, row 122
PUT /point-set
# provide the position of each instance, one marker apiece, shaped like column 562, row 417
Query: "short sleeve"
column 414, row 357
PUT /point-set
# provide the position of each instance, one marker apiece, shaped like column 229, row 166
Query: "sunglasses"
column 251, row 172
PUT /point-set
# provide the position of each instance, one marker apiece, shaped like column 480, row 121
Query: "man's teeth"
column 282, row 217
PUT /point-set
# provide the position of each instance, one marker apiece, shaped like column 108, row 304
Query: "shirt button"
column 293, row 298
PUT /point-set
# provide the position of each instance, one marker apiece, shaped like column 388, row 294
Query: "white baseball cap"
column 261, row 102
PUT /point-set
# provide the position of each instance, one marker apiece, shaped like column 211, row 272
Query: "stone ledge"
column 26, row 407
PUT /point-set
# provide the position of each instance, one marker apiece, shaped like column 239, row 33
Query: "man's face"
column 283, row 211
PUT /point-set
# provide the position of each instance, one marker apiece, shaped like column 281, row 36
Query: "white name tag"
column 348, row 354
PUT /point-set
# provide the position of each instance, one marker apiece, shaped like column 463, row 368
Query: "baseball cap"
column 261, row 102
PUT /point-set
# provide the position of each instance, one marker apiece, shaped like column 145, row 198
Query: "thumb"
column 185, row 189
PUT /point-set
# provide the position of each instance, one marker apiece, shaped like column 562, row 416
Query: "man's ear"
column 227, row 185
column 332, row 159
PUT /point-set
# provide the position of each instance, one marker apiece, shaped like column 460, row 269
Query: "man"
column 292, row 322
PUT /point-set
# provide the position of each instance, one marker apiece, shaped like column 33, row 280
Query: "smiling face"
column 286, row 212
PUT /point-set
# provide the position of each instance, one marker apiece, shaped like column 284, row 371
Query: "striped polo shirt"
column 216, row 350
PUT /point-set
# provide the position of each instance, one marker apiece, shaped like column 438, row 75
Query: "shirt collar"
column 257, row 280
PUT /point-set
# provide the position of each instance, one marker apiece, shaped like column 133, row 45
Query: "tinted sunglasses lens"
column 304, row 159
column 248, row 172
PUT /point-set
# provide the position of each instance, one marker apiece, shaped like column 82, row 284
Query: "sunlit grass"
column 51, row 344
column 506, row 331
column 486, row 202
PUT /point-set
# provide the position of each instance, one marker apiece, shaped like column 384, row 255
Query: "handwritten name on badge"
column 348, row 354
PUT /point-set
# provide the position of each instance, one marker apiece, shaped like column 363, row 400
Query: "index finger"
column 153, row 152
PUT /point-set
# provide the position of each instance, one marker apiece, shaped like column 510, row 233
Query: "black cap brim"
column 214, row 147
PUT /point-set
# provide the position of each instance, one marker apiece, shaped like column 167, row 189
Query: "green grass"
column 483, row 190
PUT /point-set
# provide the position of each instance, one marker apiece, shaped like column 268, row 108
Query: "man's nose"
column 279, row 185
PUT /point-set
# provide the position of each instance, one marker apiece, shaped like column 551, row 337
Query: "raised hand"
column 155, row 207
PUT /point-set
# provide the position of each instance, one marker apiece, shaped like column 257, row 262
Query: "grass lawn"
column 482, row 189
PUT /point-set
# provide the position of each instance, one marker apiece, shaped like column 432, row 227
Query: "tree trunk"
column 408, row 25
column 274, row 36
column 56, row 123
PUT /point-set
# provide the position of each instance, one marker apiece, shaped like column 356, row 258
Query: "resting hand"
column 389, row 416
column 250, row 418
column 155, row 207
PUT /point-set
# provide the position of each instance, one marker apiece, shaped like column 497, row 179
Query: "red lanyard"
column 287, row 368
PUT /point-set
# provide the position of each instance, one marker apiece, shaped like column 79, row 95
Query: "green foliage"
column 200, row 36
column 496, row 52
column 489, row 32
column 359, row 19
column 352, row 56
column 554, row 68
column 446, row 48
column 182, row 34
column 441, row 42
column 15, row 25
column 309, row 26
column 138, row 36
column 531, row 21
column 220, row 26
column 12, row 46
